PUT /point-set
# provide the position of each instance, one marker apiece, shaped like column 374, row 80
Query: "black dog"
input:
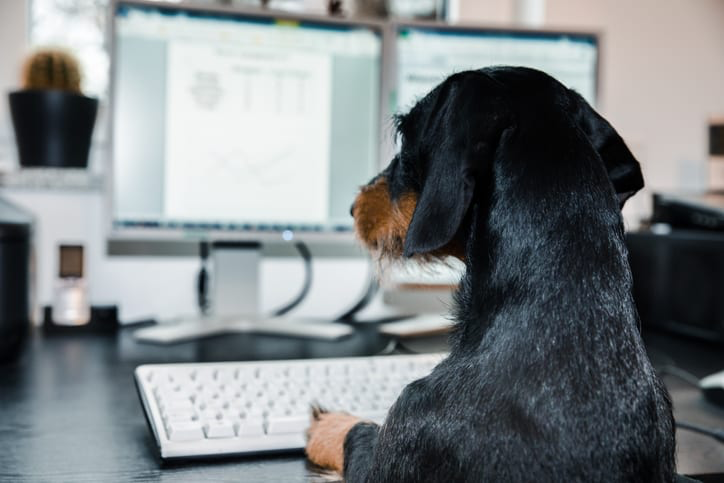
column 547, row 378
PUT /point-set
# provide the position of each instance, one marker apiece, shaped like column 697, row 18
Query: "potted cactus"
column 53, row 120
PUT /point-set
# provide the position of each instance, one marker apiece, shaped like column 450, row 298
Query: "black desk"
column 69, row 409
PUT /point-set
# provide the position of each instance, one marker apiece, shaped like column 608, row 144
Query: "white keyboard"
column 207, row 409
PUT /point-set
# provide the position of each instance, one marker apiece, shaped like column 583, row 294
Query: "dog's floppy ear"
column 623, row 169
column 458, row 135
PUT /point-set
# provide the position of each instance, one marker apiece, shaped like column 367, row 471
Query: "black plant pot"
column 53, row 128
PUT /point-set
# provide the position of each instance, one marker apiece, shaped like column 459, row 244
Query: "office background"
column 661, row 78
column 661, row 73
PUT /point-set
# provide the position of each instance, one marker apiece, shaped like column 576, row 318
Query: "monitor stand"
column 235, row 305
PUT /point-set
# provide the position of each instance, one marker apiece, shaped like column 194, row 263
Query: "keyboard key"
column 179, row 416
column 288, row 424
column 184, row 404
column 169, row 394
column 184, row 431
column 250, row 427
column 219, row 429
column 209, row 415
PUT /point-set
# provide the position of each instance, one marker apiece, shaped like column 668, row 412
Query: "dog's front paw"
column 325, row 438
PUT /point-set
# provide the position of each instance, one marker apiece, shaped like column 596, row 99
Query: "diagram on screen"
column 206, row 90
column 269, row 168
column 254, row 125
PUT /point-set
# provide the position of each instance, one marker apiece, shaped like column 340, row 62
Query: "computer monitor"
column 426, row 54
column 238, row 125
column 244, row 125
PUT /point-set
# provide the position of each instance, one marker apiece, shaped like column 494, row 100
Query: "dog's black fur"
column 547, row 379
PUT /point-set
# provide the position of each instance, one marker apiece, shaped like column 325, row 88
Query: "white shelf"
column 67, row 179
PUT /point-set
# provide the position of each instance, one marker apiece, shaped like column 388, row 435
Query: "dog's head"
column 449, row 141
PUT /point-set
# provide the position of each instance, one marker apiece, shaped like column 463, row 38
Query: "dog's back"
column 547, row 379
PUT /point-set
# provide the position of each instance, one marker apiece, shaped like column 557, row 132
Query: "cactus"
column 52, row 68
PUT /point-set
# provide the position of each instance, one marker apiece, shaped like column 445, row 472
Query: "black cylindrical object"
column 15, row 242
column 53, row 128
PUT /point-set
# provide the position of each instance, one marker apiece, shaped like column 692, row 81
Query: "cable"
column 202, row 280
column 717, row 434
column 307, row 257
column 668, row 370
column 370, row 291
column 681, row 374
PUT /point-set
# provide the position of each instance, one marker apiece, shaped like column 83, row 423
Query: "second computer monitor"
column 426, row 54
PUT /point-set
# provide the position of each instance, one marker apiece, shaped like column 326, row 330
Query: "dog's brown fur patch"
column 381, row 223
column 325, row 444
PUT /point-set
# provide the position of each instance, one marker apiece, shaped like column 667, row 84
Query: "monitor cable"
column 370, row 291
column 691, row 379
column 682, row 375
column 307, row 258
column 202, row 280
column 717, row 434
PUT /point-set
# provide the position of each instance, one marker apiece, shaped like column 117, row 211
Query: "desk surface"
column 69, row 409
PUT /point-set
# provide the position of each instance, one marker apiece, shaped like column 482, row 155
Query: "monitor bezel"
column 325, row 235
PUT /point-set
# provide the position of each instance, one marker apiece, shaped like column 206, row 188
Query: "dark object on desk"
column 716, row 138
column 678, row 281
column 53, row 128
column 103, row 320
column 15, row 240
column 696, row 212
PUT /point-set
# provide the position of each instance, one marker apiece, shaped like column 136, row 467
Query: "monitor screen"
column 425, row 55
column 240, row 123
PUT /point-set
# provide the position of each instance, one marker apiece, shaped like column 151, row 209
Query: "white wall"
column 662, row 77
column 12, row 45
column 486, row 11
